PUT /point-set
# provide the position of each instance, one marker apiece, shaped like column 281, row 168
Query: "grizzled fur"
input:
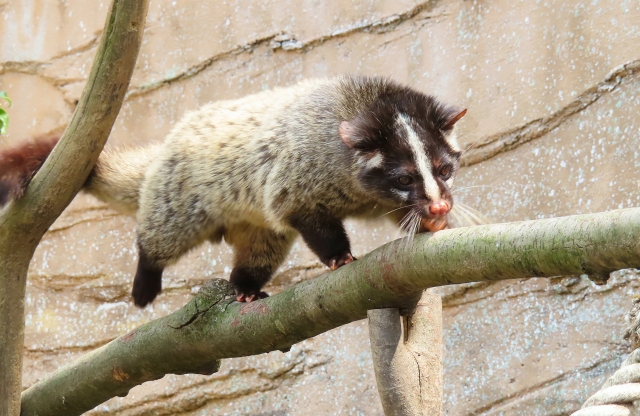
column 260, row 170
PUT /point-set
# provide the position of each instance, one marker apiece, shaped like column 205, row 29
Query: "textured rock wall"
column 553, row 126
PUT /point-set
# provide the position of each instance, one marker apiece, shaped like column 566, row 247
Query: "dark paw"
column 340, row 261
column 249, row 295
column 144, row 294
column 146, row 285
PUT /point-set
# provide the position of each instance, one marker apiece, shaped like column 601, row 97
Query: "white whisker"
column 477, row 214
column 411, row 227
column 405, row 221
column 465, row 220
column 467, row 216
column 453, row 214
column 454, row 189
column 416, row 226
column 406, row 225
column 471, row 146
column 393, row 210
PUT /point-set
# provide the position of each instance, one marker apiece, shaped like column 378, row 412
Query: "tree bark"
column 407, row 358
column 24, row 222
column 212, row 326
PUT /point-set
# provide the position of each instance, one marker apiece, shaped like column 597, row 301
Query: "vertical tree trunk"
column 24, row 222
column 13, row 274
column 407, row 358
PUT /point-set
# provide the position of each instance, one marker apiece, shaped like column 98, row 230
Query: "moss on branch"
column 212, row 326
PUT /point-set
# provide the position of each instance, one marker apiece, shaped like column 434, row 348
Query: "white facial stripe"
column 404, row 195
column 422, row 161
column 452, row 140
column 376, row 161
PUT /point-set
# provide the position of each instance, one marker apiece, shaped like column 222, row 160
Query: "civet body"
column 261, row 170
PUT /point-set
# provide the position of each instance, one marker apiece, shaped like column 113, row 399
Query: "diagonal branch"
column 211, row 326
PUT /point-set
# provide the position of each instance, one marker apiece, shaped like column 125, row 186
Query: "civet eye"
column 445, row 170
column 405, row 180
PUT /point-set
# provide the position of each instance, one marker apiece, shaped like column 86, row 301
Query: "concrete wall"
column 553, row 134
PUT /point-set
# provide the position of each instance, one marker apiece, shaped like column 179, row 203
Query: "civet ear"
column 453, row 120
column 348, row 134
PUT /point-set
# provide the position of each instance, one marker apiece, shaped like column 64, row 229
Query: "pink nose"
column 439, row 208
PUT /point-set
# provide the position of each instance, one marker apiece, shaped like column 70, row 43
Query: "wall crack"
column 508, row 399
column 288, row 42
column 495, row 144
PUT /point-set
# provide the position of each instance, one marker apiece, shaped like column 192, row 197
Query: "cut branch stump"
column 407, row 357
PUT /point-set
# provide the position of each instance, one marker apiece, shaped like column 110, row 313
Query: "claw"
column 336, row 263
column 251, row 296
column 349, row 259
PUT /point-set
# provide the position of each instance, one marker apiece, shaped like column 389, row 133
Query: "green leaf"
column 4, row 121
column 6, row 97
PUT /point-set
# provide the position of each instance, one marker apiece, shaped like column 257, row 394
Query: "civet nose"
column 439, row 208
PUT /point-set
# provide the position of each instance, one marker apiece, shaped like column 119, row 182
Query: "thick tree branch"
column 23, row 223
column 211, row 326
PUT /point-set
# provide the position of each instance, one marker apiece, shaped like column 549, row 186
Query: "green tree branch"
column 212, row 326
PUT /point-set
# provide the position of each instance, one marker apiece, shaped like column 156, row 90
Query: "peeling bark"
column 24, row 222
column 392, row 276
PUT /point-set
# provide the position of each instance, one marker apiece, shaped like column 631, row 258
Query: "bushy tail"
column 19, row 164
column 116, row 179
